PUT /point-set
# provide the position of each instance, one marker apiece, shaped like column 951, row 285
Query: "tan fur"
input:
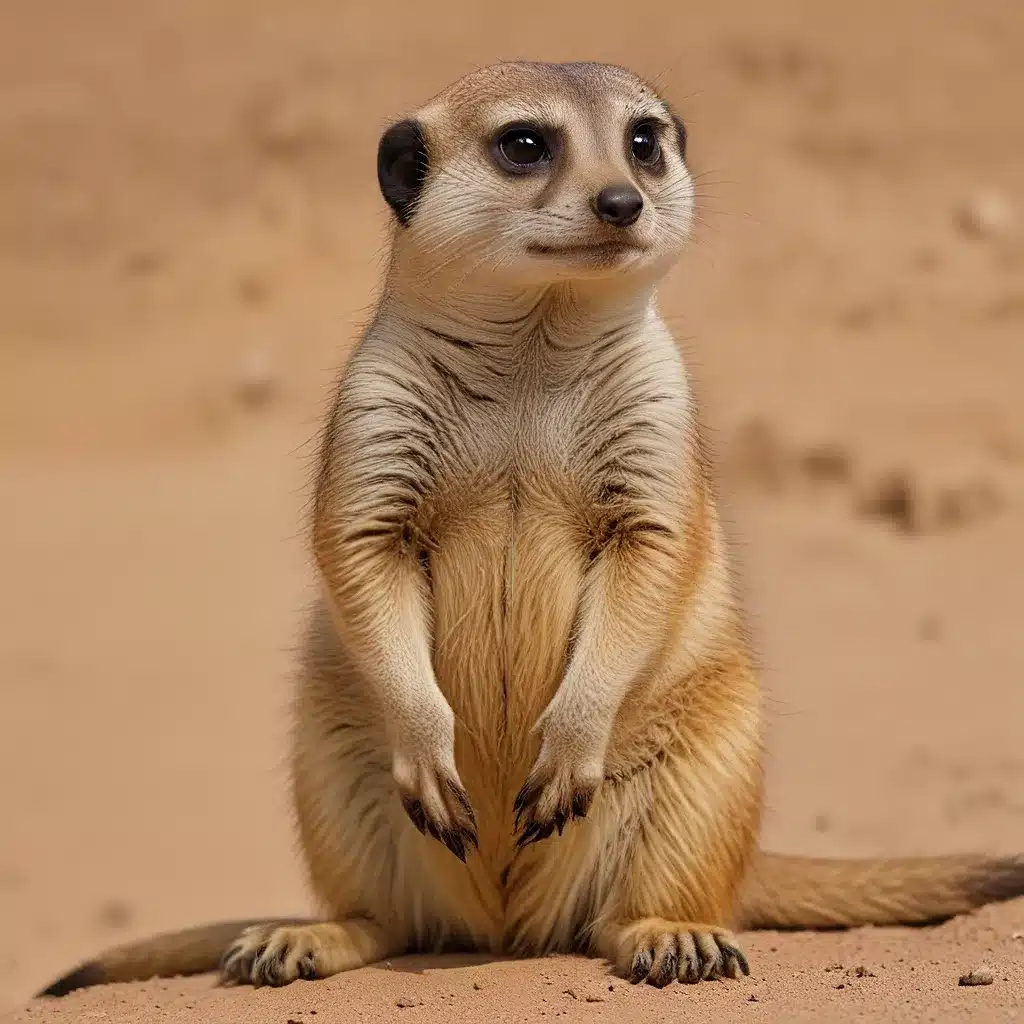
column 528, row 622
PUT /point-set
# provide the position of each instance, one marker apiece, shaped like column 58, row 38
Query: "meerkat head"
column 538, row 173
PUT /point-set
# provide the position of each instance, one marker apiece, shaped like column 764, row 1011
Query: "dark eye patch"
column 681, row 136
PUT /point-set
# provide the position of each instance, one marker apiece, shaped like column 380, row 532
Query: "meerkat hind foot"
column 659, row 952
column 277, row 955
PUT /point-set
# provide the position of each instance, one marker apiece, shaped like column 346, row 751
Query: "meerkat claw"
column 457, row 832
column 538, row 815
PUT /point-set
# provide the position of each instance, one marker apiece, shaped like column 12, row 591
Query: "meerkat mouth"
column 603, row 252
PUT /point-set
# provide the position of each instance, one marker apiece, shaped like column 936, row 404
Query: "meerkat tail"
column 804, row 892
column 170, row 955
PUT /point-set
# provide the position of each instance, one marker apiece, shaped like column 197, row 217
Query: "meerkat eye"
column 644, row 145
column 522, row 148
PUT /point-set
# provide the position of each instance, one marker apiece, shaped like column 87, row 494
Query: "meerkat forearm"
column 386, row 623
column 621, row 625
column 382, row 612
column 380, row 604
column 622, row 622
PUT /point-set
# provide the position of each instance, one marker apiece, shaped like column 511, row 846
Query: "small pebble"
column 979, row 976
column 144, row 262
column 827, row 462
column 986, row 214
column 253, row 289
column 585, row 996
column 406, row 1001
column 257, row 378
column 115, row 914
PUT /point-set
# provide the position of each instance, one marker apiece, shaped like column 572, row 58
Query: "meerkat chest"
column 544, row 441
column 518, row 488
column 507, row 556
column 538, row 467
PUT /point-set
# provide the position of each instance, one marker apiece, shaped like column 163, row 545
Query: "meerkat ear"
column 402, row 164
column 680, row 135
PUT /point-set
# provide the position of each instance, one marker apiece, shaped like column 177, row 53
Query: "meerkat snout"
column 618, row 205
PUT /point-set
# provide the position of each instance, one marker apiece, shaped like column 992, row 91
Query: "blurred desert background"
column 190, row 241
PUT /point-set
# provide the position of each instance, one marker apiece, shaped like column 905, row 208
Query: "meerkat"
column 527, row 718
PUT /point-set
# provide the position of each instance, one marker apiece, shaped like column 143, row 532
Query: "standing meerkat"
column 526, row 718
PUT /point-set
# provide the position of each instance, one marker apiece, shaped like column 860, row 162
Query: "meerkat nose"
column 619, row 205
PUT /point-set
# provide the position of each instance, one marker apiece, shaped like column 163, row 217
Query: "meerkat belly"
column 505, row 582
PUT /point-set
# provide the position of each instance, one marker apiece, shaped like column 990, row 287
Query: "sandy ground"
column 190, row 237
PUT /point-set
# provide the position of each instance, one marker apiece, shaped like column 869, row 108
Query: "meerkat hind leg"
column 278, row 955
column 659, row 951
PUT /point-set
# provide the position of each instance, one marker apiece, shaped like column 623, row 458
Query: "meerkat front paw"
column 559, row 789
column 436, row 801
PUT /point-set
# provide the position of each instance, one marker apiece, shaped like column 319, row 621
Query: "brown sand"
column 189, row 238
